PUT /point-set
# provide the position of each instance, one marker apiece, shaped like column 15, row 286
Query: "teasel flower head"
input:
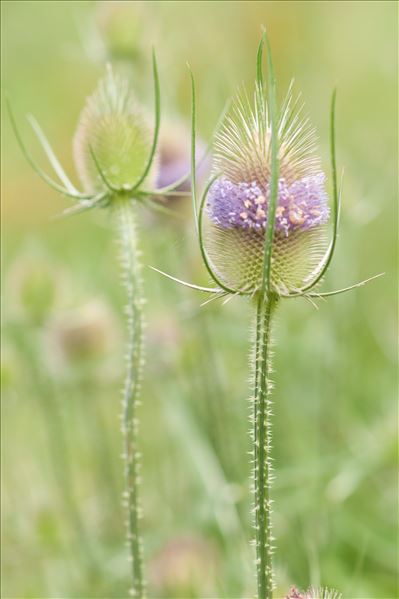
column 314, row 593
column 115, row 149
column 264, row 217
column 238, row 202
column 113, row 128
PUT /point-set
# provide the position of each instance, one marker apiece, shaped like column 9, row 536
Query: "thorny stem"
column 262, row 446
column 134, row 311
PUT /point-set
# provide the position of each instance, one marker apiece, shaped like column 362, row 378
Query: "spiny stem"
column 134, row 310
column 262, row 446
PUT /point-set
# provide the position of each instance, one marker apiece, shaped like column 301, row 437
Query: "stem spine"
column 262, row 446
column 130, row 266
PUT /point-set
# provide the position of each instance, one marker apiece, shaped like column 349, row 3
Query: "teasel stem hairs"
column 130, row 268
column 261, row 437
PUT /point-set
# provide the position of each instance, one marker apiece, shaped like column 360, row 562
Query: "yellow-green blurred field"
column 335, row 398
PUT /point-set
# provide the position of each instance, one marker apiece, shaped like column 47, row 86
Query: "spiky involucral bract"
column 238, row 201
column 115, row 129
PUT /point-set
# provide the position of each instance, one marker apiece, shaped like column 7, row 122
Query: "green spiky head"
column 114, row 128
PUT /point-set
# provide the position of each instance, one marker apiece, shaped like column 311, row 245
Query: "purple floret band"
column 300, row 206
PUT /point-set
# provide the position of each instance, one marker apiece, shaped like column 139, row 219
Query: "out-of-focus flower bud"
column 83, row 334
column 184, row 566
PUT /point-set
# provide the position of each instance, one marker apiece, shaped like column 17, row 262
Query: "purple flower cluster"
column 301, row 205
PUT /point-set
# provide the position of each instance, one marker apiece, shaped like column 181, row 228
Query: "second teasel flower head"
column 238, row 200
column 115, row 149
column 114, row 128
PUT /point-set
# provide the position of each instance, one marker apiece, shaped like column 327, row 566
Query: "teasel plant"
column 262, row 227
column 115, row 151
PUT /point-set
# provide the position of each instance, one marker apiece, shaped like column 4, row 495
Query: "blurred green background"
column 335, row 422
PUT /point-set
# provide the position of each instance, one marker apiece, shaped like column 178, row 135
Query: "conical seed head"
column 238, row 201
column 115, row 128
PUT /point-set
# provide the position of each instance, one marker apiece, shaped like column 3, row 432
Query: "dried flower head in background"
column 121, row 25
column 174, row 155
column 184, row 565
column 82, row 334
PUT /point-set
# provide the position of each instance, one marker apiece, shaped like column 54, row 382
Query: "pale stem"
column 134, row 356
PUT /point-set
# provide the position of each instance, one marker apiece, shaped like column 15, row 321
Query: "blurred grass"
column 335, row 429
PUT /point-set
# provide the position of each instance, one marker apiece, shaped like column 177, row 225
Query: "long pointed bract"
column 193, row 162
column 38, row 170
column 266, row 302
column 51, row 156
column 157, row 94
column 344, row 289
column 190, row 285
column 337, row 193
column 203, row 251
column 273, row 197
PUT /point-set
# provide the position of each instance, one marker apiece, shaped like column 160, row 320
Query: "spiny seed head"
column 312, row 593
column 115, row 129
column 238, row 201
